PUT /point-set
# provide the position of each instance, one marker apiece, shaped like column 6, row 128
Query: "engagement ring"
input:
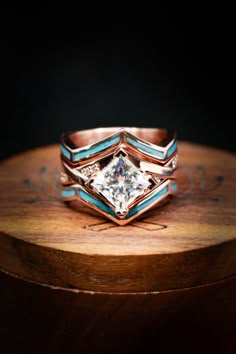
column 119, row 172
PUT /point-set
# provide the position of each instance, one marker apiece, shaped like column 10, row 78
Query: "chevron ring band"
column 119, row 172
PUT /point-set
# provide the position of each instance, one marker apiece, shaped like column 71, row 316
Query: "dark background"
column 171, row 68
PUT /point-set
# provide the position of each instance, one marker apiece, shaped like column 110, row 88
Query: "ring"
column 119, row 172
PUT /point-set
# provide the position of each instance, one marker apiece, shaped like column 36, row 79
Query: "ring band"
column 120, row 172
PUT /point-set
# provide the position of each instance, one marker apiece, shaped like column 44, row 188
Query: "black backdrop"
column 171, row 70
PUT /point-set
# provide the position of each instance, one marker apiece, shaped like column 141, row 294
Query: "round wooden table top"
column 189, row 241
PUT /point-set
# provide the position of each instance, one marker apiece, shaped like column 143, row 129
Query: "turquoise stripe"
column 67, row 193
column 172, row 148
column 98, row 203
column 65, row 152
column 174, row 187
column 95, row 149
column 145, row 148
column 147, row 202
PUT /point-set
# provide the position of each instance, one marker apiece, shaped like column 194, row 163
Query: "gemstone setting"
column 121, row 182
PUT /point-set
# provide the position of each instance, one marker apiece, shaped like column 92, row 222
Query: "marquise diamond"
column 121, row 182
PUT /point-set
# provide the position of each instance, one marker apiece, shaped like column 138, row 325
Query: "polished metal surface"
column 148, row 154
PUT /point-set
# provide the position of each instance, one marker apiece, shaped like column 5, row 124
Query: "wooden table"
column 73, row 282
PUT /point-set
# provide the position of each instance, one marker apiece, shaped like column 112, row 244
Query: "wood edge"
column 212, row 147
column 89, row 271
column 30, row 150
column 89, row 292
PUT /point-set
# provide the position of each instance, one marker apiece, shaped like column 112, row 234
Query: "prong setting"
column 120, row 176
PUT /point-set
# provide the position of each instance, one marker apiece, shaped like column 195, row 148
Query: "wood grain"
column 187, row 242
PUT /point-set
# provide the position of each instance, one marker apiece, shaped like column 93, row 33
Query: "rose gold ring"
column 119, row 172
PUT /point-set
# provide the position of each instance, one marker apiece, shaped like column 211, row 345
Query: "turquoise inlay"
column 67, row 192
column 147, row 202
column 145, row 148
column 174, row 186
column 65, row 152
column 98, row 203
column 102, row 146
column 172, row 148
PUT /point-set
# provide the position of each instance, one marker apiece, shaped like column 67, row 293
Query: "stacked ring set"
column 119, row 172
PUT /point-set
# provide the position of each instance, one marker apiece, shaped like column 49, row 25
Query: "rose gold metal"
column 155, row 136
column 123, row 221
column 79, row 174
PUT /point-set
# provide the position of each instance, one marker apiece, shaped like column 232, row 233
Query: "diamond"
column 175, row 162
column 63, row 177
column 121, row 182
